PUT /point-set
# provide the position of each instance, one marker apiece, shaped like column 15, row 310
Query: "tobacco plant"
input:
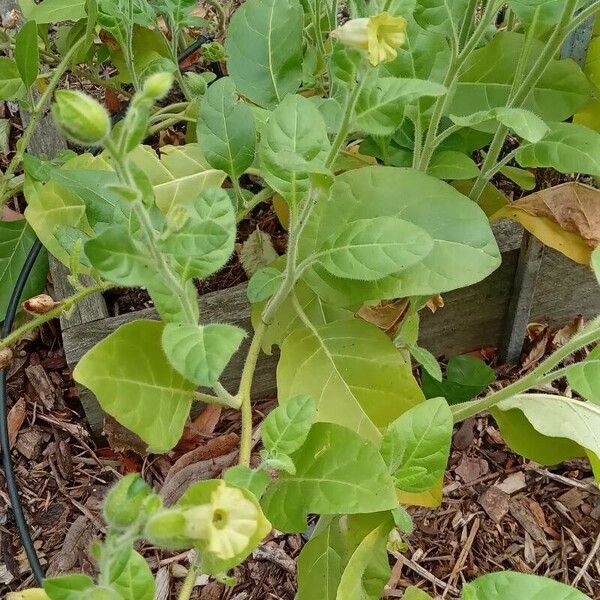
column 355, row 127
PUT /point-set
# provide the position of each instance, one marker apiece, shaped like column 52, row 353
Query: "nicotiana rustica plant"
column 365, row 132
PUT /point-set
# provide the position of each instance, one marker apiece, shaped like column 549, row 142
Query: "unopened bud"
column 6, row 355
column 196, row 83
column 214, row 52
column 157, row 86
column 126, row 500
column 81, row 117
column 40, row 305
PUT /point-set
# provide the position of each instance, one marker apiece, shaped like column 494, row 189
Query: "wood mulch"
column 499, row 511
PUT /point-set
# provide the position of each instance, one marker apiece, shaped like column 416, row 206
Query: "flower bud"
column 126, row 501
column 6, row 355
column 167, row 529
column 32, row 594
column 40, row 305
column 380, row 36
column 157, row 86
column 214, row 52
column 81, row 117
column 196, row 83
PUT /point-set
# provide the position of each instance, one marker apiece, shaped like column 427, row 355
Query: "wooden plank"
column 521, row 300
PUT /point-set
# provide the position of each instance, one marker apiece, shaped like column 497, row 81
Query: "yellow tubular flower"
column 227, row 524
column 380, row 36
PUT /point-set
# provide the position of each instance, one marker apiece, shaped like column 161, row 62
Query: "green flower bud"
column 214, row 52
column 126, row 500
column 80, row 117
column 167, row 529
column 157, row 86
column 196, row 83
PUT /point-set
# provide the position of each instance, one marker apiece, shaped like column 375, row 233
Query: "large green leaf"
column 178, row 175
column 548, row 13
column 464, row 250
column 584, row 377
column 264, row 49
column 568, row 148
column 337, row 472
column 16, row 240
column 354, row 373
column 488, row 76
column 510, row 585
column 120, row 259
column 416, row 446
column 226, row 129
column 134, row 579
column 53, row 11
column 293, row 145
column 443, row 16
column 452, row 165
column 206, row 241
column 201, row 352
column 381, row 104
column 370, row 249
column 67, row 587
column 11, row 84
column 286, row 428
column 134, row 382
column 566, row 428
column 27, row 54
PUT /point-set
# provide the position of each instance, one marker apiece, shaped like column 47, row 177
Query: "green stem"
column 541, row 374
column 467, row 24
column 63, row 307
column 583, row 16
column 245, row 394
column 162, row 125
column 188, row 585
column 221, row 14
column 491, row 158
column 259, row 198
column 35, row 117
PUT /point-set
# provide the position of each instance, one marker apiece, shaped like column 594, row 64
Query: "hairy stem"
column 36, row 115
column 541, row 374
column 63, row 307
column 188, row 584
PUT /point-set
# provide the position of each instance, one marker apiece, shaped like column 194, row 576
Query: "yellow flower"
column 32, row 594
column 228, row 524
column 380, row 36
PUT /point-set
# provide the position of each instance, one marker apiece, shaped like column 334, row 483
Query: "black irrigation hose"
column 13, row 307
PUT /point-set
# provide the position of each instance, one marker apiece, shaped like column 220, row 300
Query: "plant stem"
column 541, row 374
column 467, row 23
column 583, row 16
column 245, row 393
column 63, row 307
column 188, row 585
column 259, row 198
column 36, row 115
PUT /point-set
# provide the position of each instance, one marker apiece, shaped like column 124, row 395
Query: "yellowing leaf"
column 565, row 217
column 429, row 499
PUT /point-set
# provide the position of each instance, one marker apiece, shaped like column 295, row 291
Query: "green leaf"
column 509, row 585
column 566, row 428
column 279, row 462
column 286, row 428
column 548, row 13
column 568, row 148
column 403, row 520
column 442, row 16
column 67, row 587
column 201, row 352
column 53, row 11
column 180, row 174
column 264, row 46
column 254, row 480
column 337, row 472
column 414, row 593
column 487, row 80
column 353, row 372
column 524, row 123
column 466, row 377
column 293, row 145
column 171, row 307
column 11, row 84
column 134, row 580
column 428, row 361
column 381, row 104
column 449, row 164
column 205, row 243
column 226, row 129
column 416, row 446
column 370, row 249
column 134, row 382
column 16, row 240
column 27, row 53
column 596, row 263
column 263, row 284
column 352, row 584
column 524, row 179
column 120, row 259
column 460, row 257
column 584, row 377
